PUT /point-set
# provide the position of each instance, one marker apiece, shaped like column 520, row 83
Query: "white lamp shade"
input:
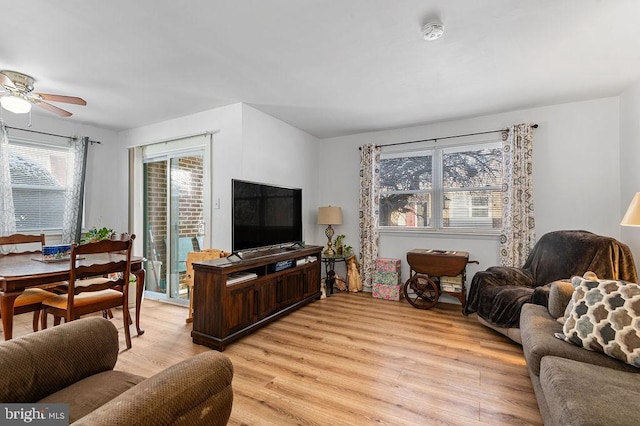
column 329, row 215
column 632, row 216
column 15, row 104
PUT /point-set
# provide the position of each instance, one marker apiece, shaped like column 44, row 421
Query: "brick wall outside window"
column 188, row 185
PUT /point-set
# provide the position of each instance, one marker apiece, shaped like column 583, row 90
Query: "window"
column 406, row 190
column 40, row 174
column 442, row 188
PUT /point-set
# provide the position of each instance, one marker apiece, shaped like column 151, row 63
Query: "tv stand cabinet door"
column 267, row 297
column 290, row 289
column 311, row 280
column 238, row 308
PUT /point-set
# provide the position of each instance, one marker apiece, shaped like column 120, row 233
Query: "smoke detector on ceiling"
column 432, row 31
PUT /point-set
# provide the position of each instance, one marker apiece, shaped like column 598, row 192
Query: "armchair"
column 73, row 364
column 497, row 294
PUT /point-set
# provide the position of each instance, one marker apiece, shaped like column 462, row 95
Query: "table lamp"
column 329, row 216
column 632, row 216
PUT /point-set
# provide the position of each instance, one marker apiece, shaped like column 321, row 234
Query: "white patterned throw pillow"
column 605, row 317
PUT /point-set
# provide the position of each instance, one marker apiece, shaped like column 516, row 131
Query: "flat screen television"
column 265, row 215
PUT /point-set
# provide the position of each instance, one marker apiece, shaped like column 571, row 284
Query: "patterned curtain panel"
column 369, row 200
column 518, row 224
column 7, row 212
column 74, row 197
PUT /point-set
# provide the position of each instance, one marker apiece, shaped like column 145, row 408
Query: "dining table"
column 21, row 270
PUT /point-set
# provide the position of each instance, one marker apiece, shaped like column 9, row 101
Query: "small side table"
column 329, row 266
column 422, row 289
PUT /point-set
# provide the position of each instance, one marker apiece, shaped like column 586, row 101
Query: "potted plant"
column 95, row 234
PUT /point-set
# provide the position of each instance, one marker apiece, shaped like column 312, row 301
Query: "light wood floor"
column 351, row 359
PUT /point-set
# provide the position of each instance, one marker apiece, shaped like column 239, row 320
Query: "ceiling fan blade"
column 6, row 81
column 61, row 98
column 54, row 109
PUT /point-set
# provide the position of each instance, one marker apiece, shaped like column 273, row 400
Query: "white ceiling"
column 329, row 67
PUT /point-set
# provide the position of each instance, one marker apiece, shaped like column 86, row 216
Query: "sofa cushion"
column 605, row 317
column 557, row 303
column 88, row 394
column 581, row 394
column 538, row 328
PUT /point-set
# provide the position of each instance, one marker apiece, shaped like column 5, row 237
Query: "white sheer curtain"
column 7, row 212
column 369, row 205
column 518, row 223
column 74, row 196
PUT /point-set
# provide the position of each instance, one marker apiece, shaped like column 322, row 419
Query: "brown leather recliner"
column 497, row 294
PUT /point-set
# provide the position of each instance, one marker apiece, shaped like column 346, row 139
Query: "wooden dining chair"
column 198, row 256
column 89, row 290
column 31, row 299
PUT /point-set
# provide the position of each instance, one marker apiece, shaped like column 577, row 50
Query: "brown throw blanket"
column 498, row 293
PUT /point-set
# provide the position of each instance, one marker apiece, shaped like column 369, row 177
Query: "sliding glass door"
column 174, row 220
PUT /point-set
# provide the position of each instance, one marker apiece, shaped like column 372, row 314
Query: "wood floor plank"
column 351, row 359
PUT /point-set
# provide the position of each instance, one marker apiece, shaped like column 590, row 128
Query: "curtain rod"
column 179, row 138
column 49, row 134
column 535, row 126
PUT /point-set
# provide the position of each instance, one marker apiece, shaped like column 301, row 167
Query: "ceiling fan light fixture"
column 15, row 104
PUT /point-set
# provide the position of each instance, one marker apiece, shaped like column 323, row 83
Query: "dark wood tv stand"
column 223, row 313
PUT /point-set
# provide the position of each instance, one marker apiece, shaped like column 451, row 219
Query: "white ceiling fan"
column 19, row 96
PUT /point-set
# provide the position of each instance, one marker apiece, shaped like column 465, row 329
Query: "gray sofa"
column 73, row 364
column 575, row 386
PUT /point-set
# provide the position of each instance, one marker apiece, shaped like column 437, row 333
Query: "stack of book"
column 451, row 284
column 239, row 277
column 305, row 260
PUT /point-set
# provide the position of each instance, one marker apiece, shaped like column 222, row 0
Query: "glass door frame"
column 198, row 145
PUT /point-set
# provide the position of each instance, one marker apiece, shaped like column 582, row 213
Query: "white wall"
column 249, row 145
column 630, row 160
column 576, row 159
column 278, row 153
